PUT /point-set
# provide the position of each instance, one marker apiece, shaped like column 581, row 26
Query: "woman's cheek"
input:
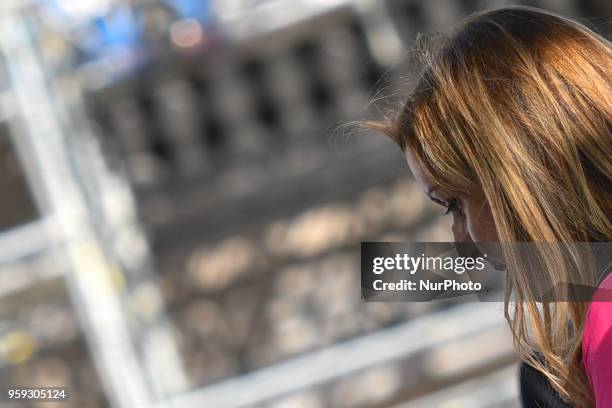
column 475, row 232
column 460, row 229
column 480, row 224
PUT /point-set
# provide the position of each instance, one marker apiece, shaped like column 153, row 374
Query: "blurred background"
column 183, row 204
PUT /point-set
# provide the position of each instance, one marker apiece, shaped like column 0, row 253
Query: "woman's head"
column 510, row 127
column 515, row 106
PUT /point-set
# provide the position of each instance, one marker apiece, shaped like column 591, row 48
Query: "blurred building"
column 185, row 199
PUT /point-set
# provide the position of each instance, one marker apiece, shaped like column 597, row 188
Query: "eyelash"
column 452, row 206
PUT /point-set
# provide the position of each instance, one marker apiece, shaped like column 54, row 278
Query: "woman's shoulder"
column 598, row 322
column 597, row 342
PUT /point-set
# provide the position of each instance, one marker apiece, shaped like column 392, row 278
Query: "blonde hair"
column 517, row 103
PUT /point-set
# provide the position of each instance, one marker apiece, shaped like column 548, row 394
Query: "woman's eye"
column 452, row 206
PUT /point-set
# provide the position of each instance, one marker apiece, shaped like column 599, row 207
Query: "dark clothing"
column 536, row 391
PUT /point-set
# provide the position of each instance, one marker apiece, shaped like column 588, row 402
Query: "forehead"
column 423, row 179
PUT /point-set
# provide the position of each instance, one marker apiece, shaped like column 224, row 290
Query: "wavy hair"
column 517, row 103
